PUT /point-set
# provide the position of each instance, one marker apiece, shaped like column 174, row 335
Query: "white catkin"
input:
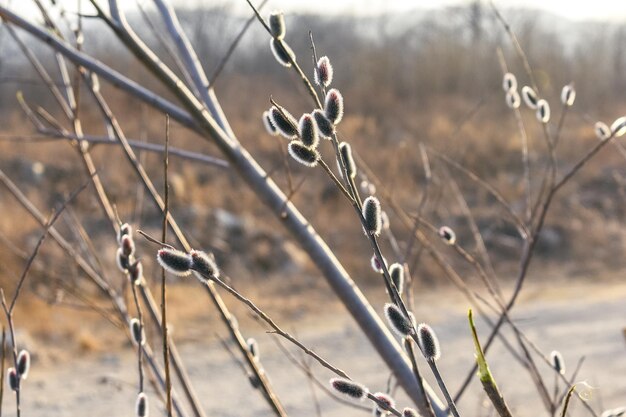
column 568, row 95
column 509, row 82
column 543, row 111
column 530, row 97
column 618, row 128
column 602, row 131
column 513, row 99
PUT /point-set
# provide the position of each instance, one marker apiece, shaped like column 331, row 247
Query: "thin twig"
column 233, row 46
column 309, row 373
column 2, row 365
column 8, row 310
column 279, row 331
column 166, row 353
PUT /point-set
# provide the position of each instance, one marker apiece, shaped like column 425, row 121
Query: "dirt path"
column 589, row 322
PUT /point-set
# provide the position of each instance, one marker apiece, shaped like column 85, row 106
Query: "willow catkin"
column 428, row 342
column 284, row 122
column 325, row 127
column 125, row 230
column 396, row 272
column 447, row 234
column 409, row 412
column 282, row 52
column 277, row 24
column 306, row 156
column 509, row 82
column 128, row 246
column 568, row 95
column 543, row 111
column 323, row 74
column 174, row 261
column 618, row 127
column 308, row 131
column 333, row 106
column 602, row 131
column 204, row 264
column 397, row 320
column 513, row 99
column 269, row 126
column 557, row 361
column 345, row 151
column 141, row 406
column 530, row 97
column 375, row 263
column 13, row 379
column 137, row 332
column 384, row 401
column 349, row 388
column 135, row 273
column 121, row 260
column 23, row 364
column 372, row 216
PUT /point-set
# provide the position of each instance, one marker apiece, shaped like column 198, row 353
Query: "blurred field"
column 590, row 327
column 427, row 79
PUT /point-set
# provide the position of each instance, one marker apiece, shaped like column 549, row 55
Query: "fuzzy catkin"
column 323, row 74
column 530, row 97
column 513, row 99
column 349, row 388
column 409, row 412
column 13, row 379
column 385, row 402
column 125, row 230
column 345, row 150
column 396, row 272
column 372, row 216
column 174, row 261
column 284, row 122
column 127, row 245
column 204, row 264
column 333, row 106
column 509, row 82
column 282, row 52
column 141, row 406
column 269, row 126
column 557, row 361
column 602, row 131
column 277, row 24
column 306, row 156
column 121, row 260
column 428, row 342
column 397, row 320
column 23, row 364
column 325, row 127
column 135, row 273
column 447, row 234
column 308, row 131
column 376, row 266
column 137, row 331
column 543, row 111
column 618, row 127
column 568, row 95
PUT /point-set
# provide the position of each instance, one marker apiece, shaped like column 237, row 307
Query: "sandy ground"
column 579, row 320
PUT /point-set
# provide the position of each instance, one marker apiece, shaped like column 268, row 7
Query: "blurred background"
column 409, row 75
